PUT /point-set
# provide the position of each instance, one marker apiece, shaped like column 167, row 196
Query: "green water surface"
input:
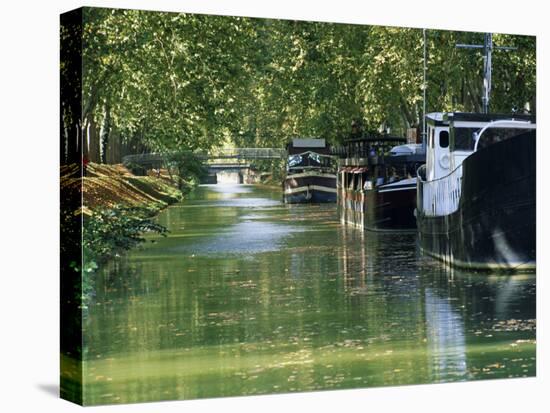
column 247, row 295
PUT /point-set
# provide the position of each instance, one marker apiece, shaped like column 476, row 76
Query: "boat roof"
column 437, row 119
column 486, row 117
column 446, row 118
column 301, row 145
column 308, row 143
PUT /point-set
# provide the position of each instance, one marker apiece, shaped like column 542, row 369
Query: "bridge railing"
column 144, row 158
column 232, row 153
column 246, row 153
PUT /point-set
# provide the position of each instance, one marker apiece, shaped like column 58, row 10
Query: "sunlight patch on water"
column 248, row 237
column 246, row 203
column 229, row 188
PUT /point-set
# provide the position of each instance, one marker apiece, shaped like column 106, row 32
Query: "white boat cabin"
column 451, row 138
column 437, row 146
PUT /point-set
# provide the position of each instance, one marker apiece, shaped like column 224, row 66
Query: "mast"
column 424, row 94
column 487, row 65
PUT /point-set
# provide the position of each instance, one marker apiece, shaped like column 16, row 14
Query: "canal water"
column 247, row 296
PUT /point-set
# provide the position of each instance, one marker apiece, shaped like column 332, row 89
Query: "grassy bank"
column 118, row 207
column 108, row 186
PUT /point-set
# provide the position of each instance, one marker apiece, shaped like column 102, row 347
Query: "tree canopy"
column 188, row 81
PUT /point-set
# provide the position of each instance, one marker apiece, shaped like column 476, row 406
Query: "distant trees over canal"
column 164, row 81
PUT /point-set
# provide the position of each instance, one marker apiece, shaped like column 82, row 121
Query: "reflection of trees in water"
column 116, row 294
column 387, row 259
column 118, row 280
column 379, row 277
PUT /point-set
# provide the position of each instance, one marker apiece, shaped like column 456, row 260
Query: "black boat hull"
column 379, row 209
column 391, row 209
column 309, row 187
column 495, row 224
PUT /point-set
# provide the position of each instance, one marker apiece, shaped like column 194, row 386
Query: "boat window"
column 294, row 160
column 314, row 159
column 463, row 138
column 444, row 139
column 495, row 135
column 311, row 159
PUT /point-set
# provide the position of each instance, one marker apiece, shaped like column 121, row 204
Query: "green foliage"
column 276, row 168
column 108, row 232
column 136, row 169
column 182, row 82
column 188, row 165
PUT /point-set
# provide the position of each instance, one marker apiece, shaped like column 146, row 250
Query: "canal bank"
column 246, row 295
column 117, row 207
column 105, row 186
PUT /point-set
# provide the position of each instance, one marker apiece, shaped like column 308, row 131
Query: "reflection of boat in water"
column 376, row 187
column 445, row 336
column 476, row 194
column 310, row 172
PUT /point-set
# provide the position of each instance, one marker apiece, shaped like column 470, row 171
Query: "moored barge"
column 311, row 176
column 476, row 205
column 376, row 184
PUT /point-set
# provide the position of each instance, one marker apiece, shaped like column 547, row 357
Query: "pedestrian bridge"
column 156, row 160
column 227, row 166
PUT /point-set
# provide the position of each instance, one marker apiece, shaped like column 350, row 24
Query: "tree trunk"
column 73, row 137
column 474, row 96
column 85, row 137
column 65, row 126
column 104, row 133
column 406, row 113
column 93, row 141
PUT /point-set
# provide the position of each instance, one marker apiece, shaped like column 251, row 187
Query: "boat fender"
column 445, row 161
